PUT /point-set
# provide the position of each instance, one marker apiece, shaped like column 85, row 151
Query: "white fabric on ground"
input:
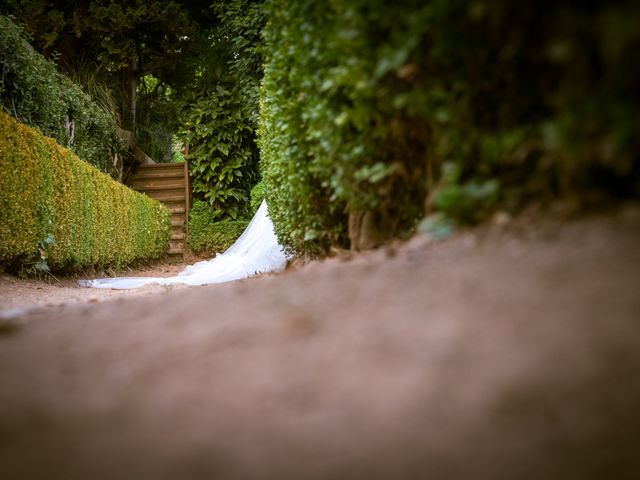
column 256, row 251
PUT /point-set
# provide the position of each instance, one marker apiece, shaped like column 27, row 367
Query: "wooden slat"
column 146, row 184
column 187, row 194
column 158, row 171
column 160, row 167
column 175, row 248
column 177, row 219
column 167, row 195
column 176, row 208
column 158, row 174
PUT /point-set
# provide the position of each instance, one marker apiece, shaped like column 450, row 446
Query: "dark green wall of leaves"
column 407, row 107
column 33, row 91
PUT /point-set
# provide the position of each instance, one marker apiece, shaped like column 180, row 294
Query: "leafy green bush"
column 467, row 202
column 331, row 143
column 258, row 194
column 33, row 91
column 363, row 103
column 58, row 209
column 207, row 236
column 220, row 120
column 222, row 156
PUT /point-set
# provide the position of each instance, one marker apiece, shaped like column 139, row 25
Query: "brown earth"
column 505, row 352
column 20, row 295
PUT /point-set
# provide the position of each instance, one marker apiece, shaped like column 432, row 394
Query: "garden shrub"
column 222, row 155
column 206, row 236
column 56, row 208
column 258, row 194
column 363, row 103
column 220, row 119
column 33, row 91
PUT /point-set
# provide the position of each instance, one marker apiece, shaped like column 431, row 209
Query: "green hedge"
column 48, row 194
column 206, row 236
column 395, row 109
column 33, row 91
column 258, row 194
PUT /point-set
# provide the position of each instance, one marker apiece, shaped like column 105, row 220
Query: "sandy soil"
column 506, row 352
column 20, row 295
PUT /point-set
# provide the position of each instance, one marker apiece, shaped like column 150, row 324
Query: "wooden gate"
column 168, row 183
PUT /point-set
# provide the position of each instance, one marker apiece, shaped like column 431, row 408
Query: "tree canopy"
column 124, row 40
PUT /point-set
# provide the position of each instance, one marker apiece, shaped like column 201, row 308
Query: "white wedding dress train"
column 256, row 251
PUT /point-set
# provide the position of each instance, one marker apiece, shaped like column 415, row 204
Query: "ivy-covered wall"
column 33, row 91
column 59, row 212
column 374, row 113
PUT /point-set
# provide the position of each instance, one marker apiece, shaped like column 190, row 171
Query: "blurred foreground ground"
column 506, row 352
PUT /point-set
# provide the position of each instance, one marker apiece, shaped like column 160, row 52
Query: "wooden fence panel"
column 169, row 184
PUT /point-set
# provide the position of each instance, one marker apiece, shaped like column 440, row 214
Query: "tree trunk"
column 130, row 84
column 369, row 229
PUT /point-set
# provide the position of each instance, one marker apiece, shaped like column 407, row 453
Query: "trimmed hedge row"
column 207, row 237
column 33, row 91
column 376, row 113
column 48, row 194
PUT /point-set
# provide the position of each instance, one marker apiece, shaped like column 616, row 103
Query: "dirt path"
column 18, row 296
column 501, row 353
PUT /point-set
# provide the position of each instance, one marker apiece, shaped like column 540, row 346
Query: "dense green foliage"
column 157, row 120
column 172, row 66
column 400, row 108
column 258, row 194
column 206, row 236
column 33, row 91
column 127, row 39
column 222, row 157
column 144, row 56
column 220, row 119
column 61, row 213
